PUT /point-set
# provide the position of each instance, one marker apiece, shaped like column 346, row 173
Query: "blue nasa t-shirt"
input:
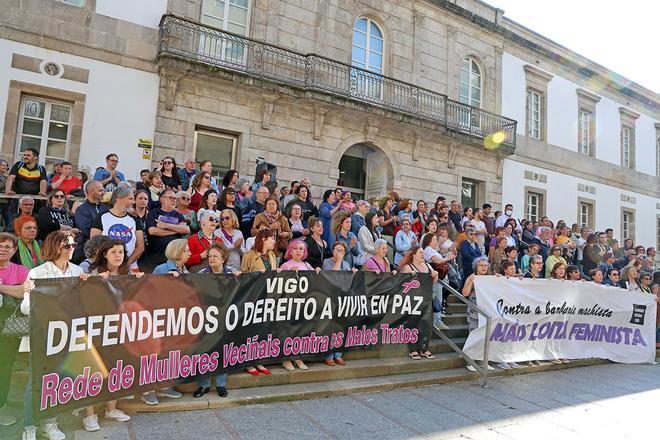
column 122, row 228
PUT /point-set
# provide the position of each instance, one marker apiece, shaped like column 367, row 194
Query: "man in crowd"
column 480, row 229
column 291, row 196
column 610, row 236
column 488, row 219
column 13, row 279
column 469, row 251
column 66, row 180
column 506, row 215
column 109, row 176
column 85, row 215
column 144, row 175
column 602, row 247
column 455, row 215
column 543, row 240
column 255, row 207
column 206, row 166
column 118, row 223
column 187, row 172
column 27, row 176
column 164, row 224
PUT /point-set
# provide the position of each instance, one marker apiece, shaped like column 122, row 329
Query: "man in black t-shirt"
column 164, row 224
column 27, row 176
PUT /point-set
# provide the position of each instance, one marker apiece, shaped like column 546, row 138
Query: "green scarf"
column 26, row 256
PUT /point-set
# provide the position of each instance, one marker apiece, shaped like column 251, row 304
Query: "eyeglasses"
column 69, row 246
column 340, row 250
column 614, row 274
column 58, row 196
column 224, row 219
column 6, row 247
column 167, row 162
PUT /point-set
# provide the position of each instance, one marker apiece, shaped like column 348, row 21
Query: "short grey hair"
column 240, row 182
column 120, row 192
column 543, row 229
column 379, row 242
column 535, row 258
column 478, row 260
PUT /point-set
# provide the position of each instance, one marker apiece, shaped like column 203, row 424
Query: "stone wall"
column 289, row 141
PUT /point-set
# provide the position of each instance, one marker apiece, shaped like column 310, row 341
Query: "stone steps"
column 320, row 372
column 299, row 389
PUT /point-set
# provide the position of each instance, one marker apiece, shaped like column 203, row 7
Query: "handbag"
column 16, row 325
column 441, row 268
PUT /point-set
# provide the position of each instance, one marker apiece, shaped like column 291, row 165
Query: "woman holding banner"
column 177, row 253
column 217, row 256
column 57, row 252
column 413, row 262
column 295, row 255
column 111, row 260
column 479, row 267
column 260, row 259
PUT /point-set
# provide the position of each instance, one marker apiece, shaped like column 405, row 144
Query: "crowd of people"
column 176, row 220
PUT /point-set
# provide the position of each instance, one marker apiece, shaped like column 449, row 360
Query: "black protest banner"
column 96, row 340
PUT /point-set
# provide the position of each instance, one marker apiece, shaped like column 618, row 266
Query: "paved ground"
column 605, row 402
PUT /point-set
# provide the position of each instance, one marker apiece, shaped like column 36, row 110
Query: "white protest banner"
column 551, row 319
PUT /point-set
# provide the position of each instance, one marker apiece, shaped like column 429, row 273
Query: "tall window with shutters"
column 470, row 86
column 627, row 224
column 585, row 132
column 367, row 54
column 534, row 115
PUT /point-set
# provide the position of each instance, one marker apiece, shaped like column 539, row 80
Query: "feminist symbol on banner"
column 409, row 285
column 638, row 314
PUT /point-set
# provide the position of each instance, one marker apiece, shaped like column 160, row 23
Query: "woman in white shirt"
column 56, row 251
column 232, row 238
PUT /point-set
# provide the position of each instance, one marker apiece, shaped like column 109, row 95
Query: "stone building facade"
column 426, row 97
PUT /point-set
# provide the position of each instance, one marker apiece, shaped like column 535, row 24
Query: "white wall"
column 562, row 118
column 562, row 113
column 120, row 104
column 645, row 159
column 513, row 90
column 562, row 195
column 144, row 12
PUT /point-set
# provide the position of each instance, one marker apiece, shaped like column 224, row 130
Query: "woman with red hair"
column 29, row 253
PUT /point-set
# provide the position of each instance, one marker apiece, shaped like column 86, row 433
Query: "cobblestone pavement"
column 605, row 402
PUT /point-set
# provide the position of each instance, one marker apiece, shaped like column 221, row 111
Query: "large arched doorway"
column 365, row 171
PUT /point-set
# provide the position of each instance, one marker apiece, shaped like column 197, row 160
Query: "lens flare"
column 494, row 140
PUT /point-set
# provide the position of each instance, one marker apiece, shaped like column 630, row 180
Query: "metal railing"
column 483, row 368
column 193, row 41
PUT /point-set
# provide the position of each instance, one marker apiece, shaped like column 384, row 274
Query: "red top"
column 197, row 245
column 69, row 184
column 196, row 200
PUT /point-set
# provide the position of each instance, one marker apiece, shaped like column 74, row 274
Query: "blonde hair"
column 232, row 215
column 337, row 220
column 175, row 248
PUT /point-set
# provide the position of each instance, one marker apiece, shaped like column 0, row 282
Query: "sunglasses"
column 213, row 219
column 58, row 196
column 69, row 246
column 224, row 219
column 207, row 177
column 167, row 162
column 614, row 274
